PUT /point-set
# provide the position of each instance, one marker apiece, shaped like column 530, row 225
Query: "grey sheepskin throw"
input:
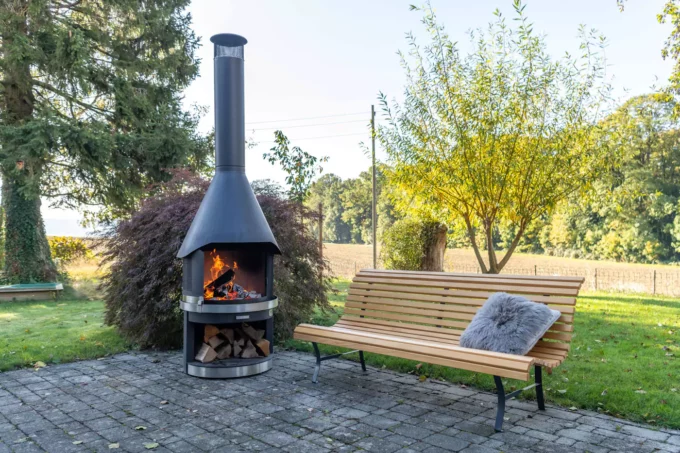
column 509, row 324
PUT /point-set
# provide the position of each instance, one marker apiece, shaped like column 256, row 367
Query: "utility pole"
column 321, row 230
column 375, row 203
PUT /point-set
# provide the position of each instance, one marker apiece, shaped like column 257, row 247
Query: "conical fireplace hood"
column 229, row 212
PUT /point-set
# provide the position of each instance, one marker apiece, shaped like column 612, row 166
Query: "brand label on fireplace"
column 243, row 317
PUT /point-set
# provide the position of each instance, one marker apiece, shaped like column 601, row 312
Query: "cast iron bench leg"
column 500, row 411
column 361, row 358
column 319, row 359
column 539, row 388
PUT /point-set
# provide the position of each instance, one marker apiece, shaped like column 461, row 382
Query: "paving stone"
column 646, row 433
column 447, row 442
column 377, row 445
column 98, row 402
column 414, row 432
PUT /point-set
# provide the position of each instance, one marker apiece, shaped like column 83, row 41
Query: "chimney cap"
column 228, row 40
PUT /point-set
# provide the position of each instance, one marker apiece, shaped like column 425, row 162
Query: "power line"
column 308, row 118
column 317, row 138
column 308, row 125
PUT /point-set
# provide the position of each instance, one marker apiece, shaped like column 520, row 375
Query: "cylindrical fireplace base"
column 231, row 368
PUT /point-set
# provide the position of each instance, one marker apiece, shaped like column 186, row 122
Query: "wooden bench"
column 421, row 315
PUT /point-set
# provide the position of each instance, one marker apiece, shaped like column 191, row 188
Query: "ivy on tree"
column 90, row 112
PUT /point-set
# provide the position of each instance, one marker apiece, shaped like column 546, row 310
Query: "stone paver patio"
column 137, row 399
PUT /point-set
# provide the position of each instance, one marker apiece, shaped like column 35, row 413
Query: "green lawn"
column 622, row 362
column 54, row 332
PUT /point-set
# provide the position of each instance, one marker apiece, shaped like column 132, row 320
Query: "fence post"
column 595, row 279
column 535, row 273
column 654, row 283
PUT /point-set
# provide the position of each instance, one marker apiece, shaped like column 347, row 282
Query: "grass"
column 70, row 328
column 622, row 362
column 54, row 332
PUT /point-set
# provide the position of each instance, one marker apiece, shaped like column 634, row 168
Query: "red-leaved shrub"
column 143, row 283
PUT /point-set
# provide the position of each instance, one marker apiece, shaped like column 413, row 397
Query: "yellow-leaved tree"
column 497, row 137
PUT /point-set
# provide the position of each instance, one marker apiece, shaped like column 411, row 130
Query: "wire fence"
column 664, row 282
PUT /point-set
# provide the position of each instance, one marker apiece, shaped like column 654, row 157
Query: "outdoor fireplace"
column 228, row 253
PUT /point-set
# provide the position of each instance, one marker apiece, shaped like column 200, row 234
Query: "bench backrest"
column 441, row 305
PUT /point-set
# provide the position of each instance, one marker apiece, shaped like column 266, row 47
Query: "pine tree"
column 90, row 111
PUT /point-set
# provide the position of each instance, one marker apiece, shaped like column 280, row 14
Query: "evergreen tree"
column 90, row 111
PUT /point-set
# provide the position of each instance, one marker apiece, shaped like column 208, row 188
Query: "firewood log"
column 262, row 347
column 252, row 333
column 222, row 279
column 224, row 351
column 228, row 334
column 206, row 354
column 215, row 341
column 209, row 331
column 249, row 352
column 237, row 349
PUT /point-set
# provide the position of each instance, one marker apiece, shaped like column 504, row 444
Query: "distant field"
column 349, row 253
column 599, row 275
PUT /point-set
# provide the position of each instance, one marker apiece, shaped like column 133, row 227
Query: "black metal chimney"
column 230, row 126
column 229, row 212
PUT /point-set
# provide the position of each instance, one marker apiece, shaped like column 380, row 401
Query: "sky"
column 313, row 69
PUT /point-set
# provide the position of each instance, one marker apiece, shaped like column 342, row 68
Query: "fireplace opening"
column 233, row 275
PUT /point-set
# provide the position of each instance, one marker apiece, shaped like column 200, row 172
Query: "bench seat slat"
column 505, row 365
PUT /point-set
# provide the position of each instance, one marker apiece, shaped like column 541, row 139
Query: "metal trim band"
column 187, row 305
column 229, row 372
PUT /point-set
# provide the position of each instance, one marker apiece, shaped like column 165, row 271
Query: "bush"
column 67, row 249
column 143, row 285
column 414, row 244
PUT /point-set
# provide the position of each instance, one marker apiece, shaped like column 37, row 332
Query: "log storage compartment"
column 228, row 252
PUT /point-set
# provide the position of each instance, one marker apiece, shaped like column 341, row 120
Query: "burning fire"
column 221, row 285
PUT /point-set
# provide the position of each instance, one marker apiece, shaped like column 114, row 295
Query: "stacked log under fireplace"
column 228, row 342
column 228, row 252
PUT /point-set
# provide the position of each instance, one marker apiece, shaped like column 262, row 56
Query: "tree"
column 327, row 190
column 300, row 166
column 671, row 47
column 90, row 112
column 498, row 137
column 631, row 213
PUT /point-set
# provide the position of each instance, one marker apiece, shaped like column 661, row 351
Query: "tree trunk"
column 434, row 248
column 27, row 252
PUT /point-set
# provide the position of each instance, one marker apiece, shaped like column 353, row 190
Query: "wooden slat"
column 417, row 357
column 474, row 297
column 444, row 306
column 432, row 336
column 499, row 280
column 415, row 319
column 419, row 327
column 455, row 308
column 470, row 359
column 408, row 310
column 481, row 286
column 474, row 276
